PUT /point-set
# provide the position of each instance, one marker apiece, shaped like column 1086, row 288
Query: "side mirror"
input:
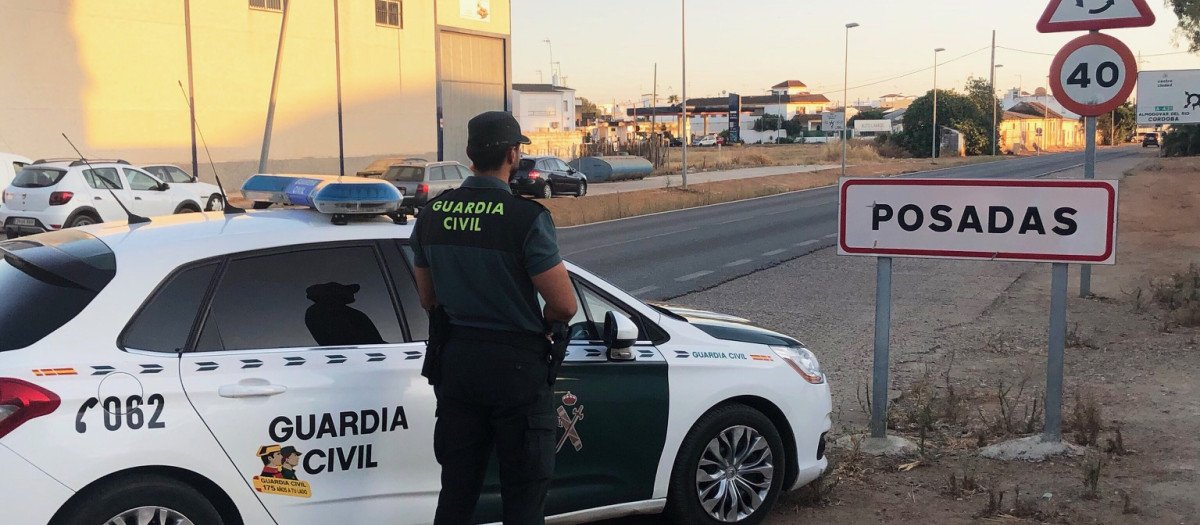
column 162, row 186
column 619, row 335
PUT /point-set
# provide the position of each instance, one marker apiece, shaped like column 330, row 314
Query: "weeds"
column 1010, row 403
column 1092, row 467
column 1179, row 296
column 1137, row 299
column 856, row 151
column 1127, row 506
column 1085, row 420
column 998, row 343
column 1116, row 444
column 1074, row 340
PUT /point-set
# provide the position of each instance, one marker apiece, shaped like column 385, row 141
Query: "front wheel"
column 82, row 219
column 215, row 203
column 582, row 189
column 547, row 192
column 730, row 469
column 141, row 500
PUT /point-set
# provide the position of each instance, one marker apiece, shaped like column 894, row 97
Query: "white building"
column 544, row 107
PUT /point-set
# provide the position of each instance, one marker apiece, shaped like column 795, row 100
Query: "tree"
column 672, row 99
column 1188, row 29
column 870, row 114
column 767, row 122
column 1125, row 124
column 587, row 111
column 956, row 111
column 980, row 91
column 1181, row 141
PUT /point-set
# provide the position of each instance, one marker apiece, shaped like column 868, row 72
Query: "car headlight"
column 802, row 361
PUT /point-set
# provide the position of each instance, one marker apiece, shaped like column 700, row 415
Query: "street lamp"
column 845, row 94
column 994, row 68
column 933, row 147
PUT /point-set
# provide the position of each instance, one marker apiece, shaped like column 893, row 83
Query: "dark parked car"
column 1151, row 139
column 546, row 177
column 421, row 181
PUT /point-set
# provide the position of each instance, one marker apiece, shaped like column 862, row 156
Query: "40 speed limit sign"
column 1093, row 74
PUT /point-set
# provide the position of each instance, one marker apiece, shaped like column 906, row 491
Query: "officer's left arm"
column 425, row 287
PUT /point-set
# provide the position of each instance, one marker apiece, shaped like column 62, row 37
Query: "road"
column 666, row 255
column 694, row 177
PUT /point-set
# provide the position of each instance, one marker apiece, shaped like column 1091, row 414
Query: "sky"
column 607, row 50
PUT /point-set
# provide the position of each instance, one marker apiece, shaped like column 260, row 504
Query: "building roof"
column 540, row 88
column 1009, row 115
column 1036, row 109
column 789, row 84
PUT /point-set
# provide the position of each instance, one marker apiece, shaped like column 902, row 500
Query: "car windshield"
column 31, row 177
column 47, row 280
column 404, row 174
column 525, row 164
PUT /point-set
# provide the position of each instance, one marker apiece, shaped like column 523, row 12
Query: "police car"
column 264, row 367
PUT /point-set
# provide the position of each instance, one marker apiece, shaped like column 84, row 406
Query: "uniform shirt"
column 482, row 244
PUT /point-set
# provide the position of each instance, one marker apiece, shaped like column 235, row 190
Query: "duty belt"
column 529, row 339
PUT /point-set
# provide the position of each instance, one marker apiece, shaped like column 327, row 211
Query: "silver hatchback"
column 421, row 181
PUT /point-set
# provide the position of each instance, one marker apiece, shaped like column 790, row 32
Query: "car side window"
column 178, row 175
column 438, row 173
column 139, row 181
column 463, row 172
column 103, row 178
column 562, row 166
column 313, row 297
column 165, row 321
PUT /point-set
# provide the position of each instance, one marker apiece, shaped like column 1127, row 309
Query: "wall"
column 450, row 14
column 563, row 144
column 544, row 111
column 116, row 92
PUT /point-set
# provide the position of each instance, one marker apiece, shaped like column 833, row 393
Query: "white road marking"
column 691, row 276
column 830, row 236
column 773, row 252
column 735, row 220
column 806, row 243
column 588, row 249
column 738, row 262
column 641, row 291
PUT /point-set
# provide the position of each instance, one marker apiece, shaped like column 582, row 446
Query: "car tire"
column 714, row 445
column 215, row 203
column 83, row 219
column 582, row 189
column 187, row 207
column 547, row 191
column 140, row 492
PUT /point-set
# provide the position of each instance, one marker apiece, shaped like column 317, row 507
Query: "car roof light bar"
column 328, row 194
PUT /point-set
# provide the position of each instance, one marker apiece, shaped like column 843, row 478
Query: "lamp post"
column 933, row 146
column 683, row 99
column 994, row 68
column 845, row 95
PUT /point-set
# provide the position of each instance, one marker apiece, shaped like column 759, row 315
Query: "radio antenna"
column 108, row 184
column 228, row 208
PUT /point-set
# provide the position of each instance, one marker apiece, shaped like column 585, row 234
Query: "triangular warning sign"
column 1086, row 15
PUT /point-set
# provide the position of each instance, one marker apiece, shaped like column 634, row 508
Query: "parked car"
column 1151, row 139
column 546, row 177
column 211, row 193
column 707, row 140
column 420, row 181
column 176, row 374
column 53, row 194
column 376, row 168
column 10, row 164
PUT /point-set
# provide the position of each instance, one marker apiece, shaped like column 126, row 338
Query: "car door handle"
column 137, row 198
column 240, row 390
column 97, row 198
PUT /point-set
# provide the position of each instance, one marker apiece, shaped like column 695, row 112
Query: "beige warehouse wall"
column 107, row 73
column 451, row 13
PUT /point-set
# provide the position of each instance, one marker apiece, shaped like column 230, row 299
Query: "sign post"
column 1053, row 221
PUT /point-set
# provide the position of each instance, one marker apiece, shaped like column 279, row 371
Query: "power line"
column 1166, row 54
column 1024, row 51
column 911, row 73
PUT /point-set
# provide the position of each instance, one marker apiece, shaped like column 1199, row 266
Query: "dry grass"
column 1179, row 296
column 719, row 158
column 857, row 151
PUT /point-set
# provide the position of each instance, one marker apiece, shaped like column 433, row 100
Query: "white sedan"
column 264, row 367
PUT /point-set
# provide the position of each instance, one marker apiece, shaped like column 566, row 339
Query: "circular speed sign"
column 1093, row 74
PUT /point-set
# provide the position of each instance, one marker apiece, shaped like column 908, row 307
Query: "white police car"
column 263, row 367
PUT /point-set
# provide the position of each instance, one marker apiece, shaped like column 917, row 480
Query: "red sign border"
column 1044, row 24
column 962, row 254
column 1088, row 40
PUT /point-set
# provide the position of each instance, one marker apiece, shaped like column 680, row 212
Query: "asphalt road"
column 666, row 255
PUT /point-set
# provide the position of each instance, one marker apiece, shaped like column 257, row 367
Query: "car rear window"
column 31, row 177
column 525, row 164
column 46, row 280
column 404, row 174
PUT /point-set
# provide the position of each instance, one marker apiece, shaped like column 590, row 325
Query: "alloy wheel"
column 734, row 474
column 153, row 515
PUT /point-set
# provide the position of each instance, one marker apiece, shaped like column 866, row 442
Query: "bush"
column 1181, row 141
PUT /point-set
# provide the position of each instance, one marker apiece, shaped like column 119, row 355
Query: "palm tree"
column 672, row 99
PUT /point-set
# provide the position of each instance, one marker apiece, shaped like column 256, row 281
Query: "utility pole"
column 846, row 96
column 992, row 87
column 266, row 145
column 187, row 25
column 653, row 104
column 683, row 44
column 551, row 46
column 337, row 54
column 934, row 146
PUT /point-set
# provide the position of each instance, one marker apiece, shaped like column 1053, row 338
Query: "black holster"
column 439, row 333
column 560, row 336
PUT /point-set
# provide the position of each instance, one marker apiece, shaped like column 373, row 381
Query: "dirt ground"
column 1131, row 391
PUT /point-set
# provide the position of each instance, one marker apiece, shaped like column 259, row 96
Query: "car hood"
column 729, row 327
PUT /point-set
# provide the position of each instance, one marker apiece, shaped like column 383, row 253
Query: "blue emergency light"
column 328, row 194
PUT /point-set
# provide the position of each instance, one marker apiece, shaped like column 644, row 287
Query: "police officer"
column 483, row 255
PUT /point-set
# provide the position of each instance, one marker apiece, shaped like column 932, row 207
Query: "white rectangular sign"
column 1069, row 221
column 876, row 126
column 1168, row 97
column 832, row 121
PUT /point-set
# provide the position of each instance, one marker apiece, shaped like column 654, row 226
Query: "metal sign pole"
column 883, row 328
column 1054, row 359
column 1089, row 172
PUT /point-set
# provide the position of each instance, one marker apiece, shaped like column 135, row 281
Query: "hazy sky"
column 608, row 48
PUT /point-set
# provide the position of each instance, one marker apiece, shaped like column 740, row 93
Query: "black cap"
column 289, row 450
column 494, row 128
